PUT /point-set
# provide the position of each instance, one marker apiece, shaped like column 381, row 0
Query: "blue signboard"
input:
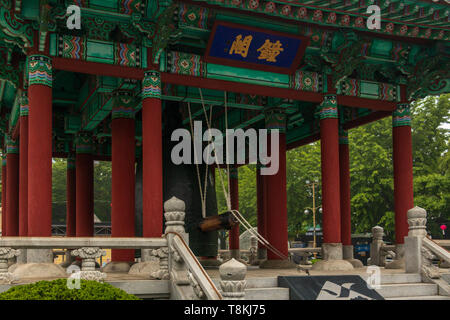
column 362, row 247
column 248, row 47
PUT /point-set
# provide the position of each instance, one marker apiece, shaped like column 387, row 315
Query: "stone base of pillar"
column 332, row 259
column 40, row 256
column 39, row 271
column 15, row 262
column 117, row 267
column 145, row 268
column 277, row 264
column 148, row 264
column 209, row 262
column 399, row 261
column 262, row 253
column 347, row 254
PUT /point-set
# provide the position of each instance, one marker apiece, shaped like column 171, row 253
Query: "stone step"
column 252, row 283
column 399, row 278
column 408, row 290
column 421, row 298
column 267, row 294
column 145, row 289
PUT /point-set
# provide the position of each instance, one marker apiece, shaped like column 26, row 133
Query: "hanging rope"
column 202, row 196
column 237, row 215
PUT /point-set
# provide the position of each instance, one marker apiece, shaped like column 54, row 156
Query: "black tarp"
column 343, row 287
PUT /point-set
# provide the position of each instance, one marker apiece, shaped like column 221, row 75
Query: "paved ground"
column 255, row 272
column 110, row 277
column 252, row 272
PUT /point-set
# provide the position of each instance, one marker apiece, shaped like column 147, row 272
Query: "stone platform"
column 261, row 283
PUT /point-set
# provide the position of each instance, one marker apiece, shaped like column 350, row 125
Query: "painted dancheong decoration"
column 115, row 87
column 237, row 45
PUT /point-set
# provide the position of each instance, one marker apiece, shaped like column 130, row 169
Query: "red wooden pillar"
column 23, row 168
column 12, row 185
column 344, row 175
column 40, row 146
column 234, row 199
column 330, row 170
column 152, row 197
column 276, row 223
column 123, row 172
column 84, row 191
column 403, row 169
column 4, row 194
column 71, row 197
column 261, row 196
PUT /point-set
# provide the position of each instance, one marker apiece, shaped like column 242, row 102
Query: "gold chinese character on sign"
column 269, row 50
column 240, row 46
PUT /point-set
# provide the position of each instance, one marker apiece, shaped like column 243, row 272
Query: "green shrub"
column 58, row 290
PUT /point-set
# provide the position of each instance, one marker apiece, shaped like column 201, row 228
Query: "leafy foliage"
column 102, row 190
column 58, row 290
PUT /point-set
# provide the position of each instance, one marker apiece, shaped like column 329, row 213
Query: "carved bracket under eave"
column 166, row 30
column 431, row 77
column 14, row 26
column 347, row 58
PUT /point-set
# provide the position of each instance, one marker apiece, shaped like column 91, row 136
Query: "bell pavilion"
column 112, row 89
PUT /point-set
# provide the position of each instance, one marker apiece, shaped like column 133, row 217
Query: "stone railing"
column 188, row 278
column 87, row 249
column 421, row 250
column 379, row 250
column 177, row 263
column 251, row 256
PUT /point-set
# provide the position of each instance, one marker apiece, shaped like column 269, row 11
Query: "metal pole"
column 314, row 214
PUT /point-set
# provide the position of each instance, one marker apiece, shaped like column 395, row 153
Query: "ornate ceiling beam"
column 14, row 26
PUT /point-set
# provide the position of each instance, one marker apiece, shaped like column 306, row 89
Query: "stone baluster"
column 5, row 254
column 417, row 219
column 163, row 255
column 376, row 256
column 232, row 275
column 253, row 255
column 88, row 256
column 171, row 266
column 418, row 259
column 174, row 213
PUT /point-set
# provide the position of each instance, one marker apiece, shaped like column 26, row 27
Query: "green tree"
column 59, row 169
column 431, row 159
column 102, row 190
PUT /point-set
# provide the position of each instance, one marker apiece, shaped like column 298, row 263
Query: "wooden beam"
column 102, row 69
column 367, row 119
